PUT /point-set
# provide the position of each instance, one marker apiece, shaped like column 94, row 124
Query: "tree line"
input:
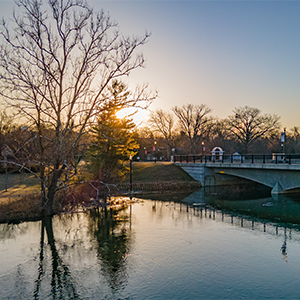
column 191, row 129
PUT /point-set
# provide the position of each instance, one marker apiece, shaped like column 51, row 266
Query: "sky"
column 225, row 54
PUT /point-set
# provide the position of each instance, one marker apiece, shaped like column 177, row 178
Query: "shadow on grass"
column 8, row 181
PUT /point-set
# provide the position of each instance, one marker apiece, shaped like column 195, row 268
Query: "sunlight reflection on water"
column 164, row 250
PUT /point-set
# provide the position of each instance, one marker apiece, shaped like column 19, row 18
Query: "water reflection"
column 284, row 245
column 199, row 244
column 73, row 251
column 114, row 241
column 62, row 284
column 277, row 215
column 252, row 223
column 278, row 208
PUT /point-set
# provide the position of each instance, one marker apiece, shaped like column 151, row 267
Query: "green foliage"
column 114, row 138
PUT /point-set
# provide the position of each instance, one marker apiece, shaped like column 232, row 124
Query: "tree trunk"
column 48, row 204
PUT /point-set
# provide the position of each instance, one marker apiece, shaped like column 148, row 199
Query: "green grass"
column 145, row 172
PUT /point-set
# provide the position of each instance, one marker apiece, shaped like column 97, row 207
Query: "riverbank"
column 20, row 201
column 160, row 176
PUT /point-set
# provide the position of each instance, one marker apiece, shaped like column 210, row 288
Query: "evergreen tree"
column 114, row 138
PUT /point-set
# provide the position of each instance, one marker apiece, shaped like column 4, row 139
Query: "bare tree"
column 56, row 63
column 295, row 133
column 247, row 125
column 219, row 135
column 194, row 122
column 293, row 139
column 7, row 124
column 163, row 123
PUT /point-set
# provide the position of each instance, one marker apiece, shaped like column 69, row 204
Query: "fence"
column 240, row 158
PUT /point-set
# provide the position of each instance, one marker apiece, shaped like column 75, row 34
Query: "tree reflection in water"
column 114, row 240
column 89, row 257
column 62, row 284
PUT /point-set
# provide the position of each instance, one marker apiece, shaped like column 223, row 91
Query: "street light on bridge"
column 283, row 141
column 203, row 148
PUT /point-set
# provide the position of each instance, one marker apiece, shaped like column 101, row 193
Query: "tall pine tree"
column 114, row 138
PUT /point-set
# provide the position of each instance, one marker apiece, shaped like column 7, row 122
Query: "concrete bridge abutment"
column 280, row 178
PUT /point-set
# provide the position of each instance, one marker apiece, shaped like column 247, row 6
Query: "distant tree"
column 295, row 133
column 219, row 136
column 115, row 139
column 293, row 139
column 57, row 61
column 163, row 123
column 7, row 124
column 247, row 125
column 146, row 139
column 13, row 146
column 146, row 132
column 194, row 122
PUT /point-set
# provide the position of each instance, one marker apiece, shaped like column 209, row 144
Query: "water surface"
column 200, row 247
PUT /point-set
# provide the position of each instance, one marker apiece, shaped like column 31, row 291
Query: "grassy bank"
column 146, row 172
column 20, row 193
column 19, row 197
column 160, row 176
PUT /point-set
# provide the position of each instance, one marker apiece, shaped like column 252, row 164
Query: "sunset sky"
column 223, row 53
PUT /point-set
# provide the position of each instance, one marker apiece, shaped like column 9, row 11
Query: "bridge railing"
column 240, row 158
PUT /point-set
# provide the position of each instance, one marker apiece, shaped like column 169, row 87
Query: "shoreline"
column 146, row 187
column 28, row 208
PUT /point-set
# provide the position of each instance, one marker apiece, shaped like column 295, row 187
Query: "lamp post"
column 284, row 130
column 154, row 151
column 130, row 174
column 203, row 148
column 173, row 153
column 283, row 142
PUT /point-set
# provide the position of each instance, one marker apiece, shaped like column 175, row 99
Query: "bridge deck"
column 244, row 165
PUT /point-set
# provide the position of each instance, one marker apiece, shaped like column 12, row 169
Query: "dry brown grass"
column 21, row 209
column 19, row 198
column 20, row 193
